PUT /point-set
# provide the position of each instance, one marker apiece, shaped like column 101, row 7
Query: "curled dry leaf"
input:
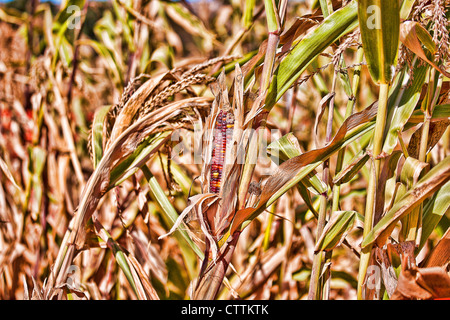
column 422, row 283
column 436, row 130
column 440, row 255
column 413, row 35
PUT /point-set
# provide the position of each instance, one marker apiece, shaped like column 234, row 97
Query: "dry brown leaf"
column 422, row 283
column 260, row 272
column 143, row 284
column 436, row 130
column 440, row 255
column 411, row 33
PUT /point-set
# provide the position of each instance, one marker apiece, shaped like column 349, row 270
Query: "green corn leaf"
column 113, row 64
column 286, row 148
column 231, row 66
column 119, row 255
column 405, row 9
column 379, row 22
column 290, row 69
column 349, row 171
column 133, row 162
column 68, row 12
column 123, row 264
column 97, row 142
column 189, row 22
column 401, row 111
column 335, row 230
column 167, row 209
column 411, row 171
column 38, row 157
column 163, row 57
column 327, row 152
column 433, row 211
column 440, row 112
column 127, row 33
column 247, row 17
column 67, row 20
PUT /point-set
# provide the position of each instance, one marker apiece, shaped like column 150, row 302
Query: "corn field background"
column 242, row 149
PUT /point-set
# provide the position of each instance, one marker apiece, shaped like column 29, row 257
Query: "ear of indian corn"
column 223, row 134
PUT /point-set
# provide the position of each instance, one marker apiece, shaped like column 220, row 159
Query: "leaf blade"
column 379, row 22
column 332, row 28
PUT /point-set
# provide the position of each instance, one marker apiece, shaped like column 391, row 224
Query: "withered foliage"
column 98, row 201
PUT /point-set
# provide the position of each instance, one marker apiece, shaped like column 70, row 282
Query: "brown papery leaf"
column 431, row 182
column 210, row 279
column 422, row 283
column 300, row 26
column 388, row 170
column 140, row 276
column 436, row 130
column 413, row 35
column 259, row 273
column 440, row 255
column 132, row 105
column 322, row 106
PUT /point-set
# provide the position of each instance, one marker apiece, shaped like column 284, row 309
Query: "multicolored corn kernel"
column 222, row 136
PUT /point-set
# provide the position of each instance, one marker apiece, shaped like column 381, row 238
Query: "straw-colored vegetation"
column 225, row 149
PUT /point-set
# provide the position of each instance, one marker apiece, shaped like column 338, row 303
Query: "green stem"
column 247, row 17
column 275, row 27
column 372, row 186
column 250, row 164
column 424, row 139
column 318, row 257
column 271, row 15
column 415, row 217
column 432, row 95
column 327, row 275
